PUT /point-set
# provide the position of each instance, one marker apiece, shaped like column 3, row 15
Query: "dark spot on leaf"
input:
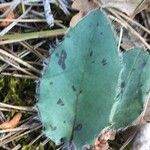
column 53, row 128
column 133, row 69
column 73, row 88
column 64, row 121
column 123, row 84
column 63, row 139
column 91, row 53
column 60, row 102
column 141, row 85
column 57, row 55
column 62, row 58
column 51, row 83
column 80, row 91
column 143, row 64
column 97, row 24
column 93, row 62
column 101, row 33
column 104, row 62
column 78, row 127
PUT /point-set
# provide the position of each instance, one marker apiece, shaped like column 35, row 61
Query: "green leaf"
column 133, row 88
column 77, row 89
column 88, row 86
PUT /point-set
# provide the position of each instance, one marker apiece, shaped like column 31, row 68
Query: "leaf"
column 77, row 93
column 83, row 6
column 133, row 88
column 10, row 16
column 12, row 123
column 77, row 90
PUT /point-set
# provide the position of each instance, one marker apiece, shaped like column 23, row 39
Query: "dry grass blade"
column 23, row 6
column 3, row 67
column 6, row 54
column 6, row 147
column 5, row 30
column 27, row 125
column 143, row 4
column 11, row 38
column 37, row 138
column 45, row 142
column 128, row 141
column 129, row 27
column 14, row 129
column 5, row 5
column 17, row 147
column 14, row 137
column 32, row 49
column 63, row 7
column 28, row 20
column 22, row 54
column 9, row 135
column 5, row 109
column 10, row 62
column 19, row 76
column 132, row 21
column 21, row 108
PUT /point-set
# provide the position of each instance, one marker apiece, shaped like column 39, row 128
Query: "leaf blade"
column 76, row 80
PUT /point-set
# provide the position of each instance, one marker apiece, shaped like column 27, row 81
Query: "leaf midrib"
column 82, row 79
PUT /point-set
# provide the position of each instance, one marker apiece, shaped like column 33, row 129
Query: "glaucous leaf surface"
column 133, row 88
column 78, row 88
column 87, row 85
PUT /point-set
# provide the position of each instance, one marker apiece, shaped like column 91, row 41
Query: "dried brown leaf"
column 101, row 142
column 83, row 6
column 130, row 7
column 12, row 123
column 75, row 19
column 9, row 16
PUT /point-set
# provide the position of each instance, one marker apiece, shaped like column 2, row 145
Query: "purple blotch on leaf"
column 62, row 58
